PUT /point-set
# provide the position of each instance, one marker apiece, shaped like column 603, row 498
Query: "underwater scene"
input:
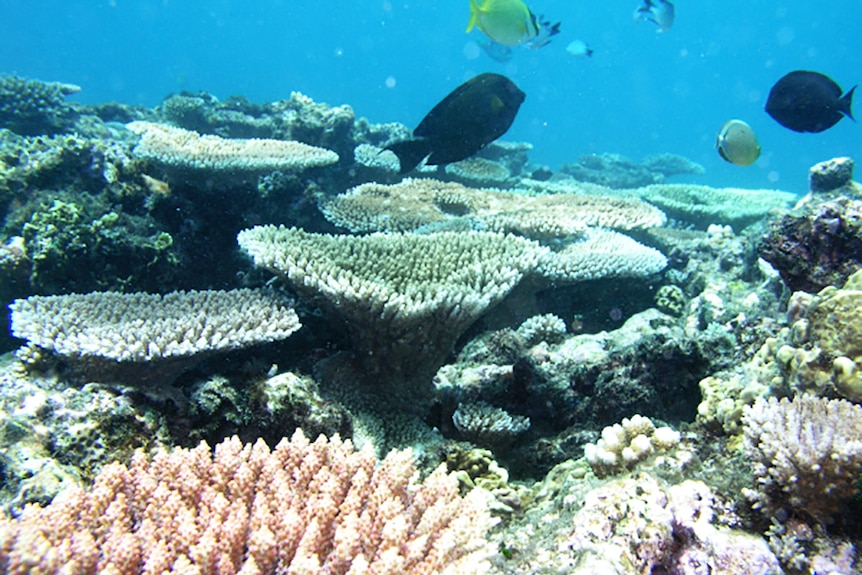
column 469, row 287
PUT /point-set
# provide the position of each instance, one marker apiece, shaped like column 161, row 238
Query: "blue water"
column 641, row 93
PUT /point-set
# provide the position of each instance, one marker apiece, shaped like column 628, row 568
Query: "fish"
column 511, row 23
column 737, row 143
column 579, row 49
column 473, row 115
column 497, row 51
column 660, row 12
column 806, row 101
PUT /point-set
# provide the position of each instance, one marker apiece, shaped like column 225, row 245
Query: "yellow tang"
column 737, row 143
column 507, row 22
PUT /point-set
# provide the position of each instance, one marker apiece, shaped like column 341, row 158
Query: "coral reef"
column 702, row 206
column 105, row 331
column 301, row 507
column 616, row 171
column 414, row 203
column 817, row 246
column 397, row 294
column 176, row 148
column 30, row 107
column 488, row 426
column 833, row 177
column 624, row 445
column 806, row 454
column 144, row 327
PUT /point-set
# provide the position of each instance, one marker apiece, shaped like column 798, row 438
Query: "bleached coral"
column 545, row 327
column 141, row 327
column 806, row 453
column 601, row 254
column 179, row 148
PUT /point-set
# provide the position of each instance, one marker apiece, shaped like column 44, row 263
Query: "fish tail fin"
column 410, row 152
column 846, row 101
column 475, row 9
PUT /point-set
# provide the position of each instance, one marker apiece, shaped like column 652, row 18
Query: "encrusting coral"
column 140, row 327
column 177, row 148
column 302, row 507
column 405, row 298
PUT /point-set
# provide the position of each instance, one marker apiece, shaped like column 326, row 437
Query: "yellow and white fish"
column 511, row 23
column 737, row 143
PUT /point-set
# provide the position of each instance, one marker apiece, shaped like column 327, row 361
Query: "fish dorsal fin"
column 475, row 10
column 846, row 101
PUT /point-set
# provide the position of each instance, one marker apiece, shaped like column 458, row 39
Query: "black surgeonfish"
column 808, row 102
column 475, row 114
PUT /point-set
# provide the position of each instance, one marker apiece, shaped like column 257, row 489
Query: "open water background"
column 641, row 93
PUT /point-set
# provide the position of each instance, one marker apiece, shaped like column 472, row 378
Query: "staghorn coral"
column 177, row 148
column 806, row 453
column 702, row 206
column 405, row 298
column 142, row 327
column 413, row 203
column 299, row 508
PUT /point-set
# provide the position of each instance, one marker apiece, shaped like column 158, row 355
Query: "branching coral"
column 806, row 453
column 302, row 507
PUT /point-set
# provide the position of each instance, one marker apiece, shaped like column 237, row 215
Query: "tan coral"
column 178, row 148
column 413, row 203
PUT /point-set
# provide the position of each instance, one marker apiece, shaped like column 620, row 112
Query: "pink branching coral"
column 303, row 507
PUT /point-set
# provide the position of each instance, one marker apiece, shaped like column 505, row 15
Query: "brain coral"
column 177, row 148
column 405, row 298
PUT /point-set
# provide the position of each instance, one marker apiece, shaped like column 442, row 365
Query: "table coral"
column 413, row 203
column 405, row 298
column 177, row 148
column 702, row 206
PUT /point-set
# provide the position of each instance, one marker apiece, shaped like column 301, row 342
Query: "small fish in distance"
column 805, row 101
column 737, row 143
column 511, row 23
column 579, row 49
column 473, row 115
column 659, row 12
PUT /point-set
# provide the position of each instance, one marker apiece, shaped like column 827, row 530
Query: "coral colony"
column 242, row 342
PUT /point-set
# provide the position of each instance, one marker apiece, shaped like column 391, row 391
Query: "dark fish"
column 475, row 114
column 808, row 102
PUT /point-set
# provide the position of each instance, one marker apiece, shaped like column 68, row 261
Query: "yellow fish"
column 510, row 22
column 737, row 143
